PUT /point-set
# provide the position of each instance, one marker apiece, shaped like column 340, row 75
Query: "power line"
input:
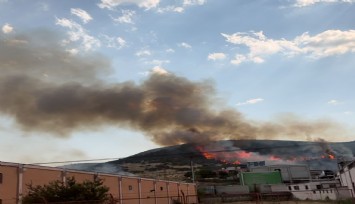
column 72, row 161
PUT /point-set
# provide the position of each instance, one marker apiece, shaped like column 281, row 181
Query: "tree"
column 70, row 191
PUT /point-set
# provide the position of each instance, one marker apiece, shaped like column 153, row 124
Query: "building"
column 289, row 173
column 14, row 179
column 347, row 175
column 320, row 190
column 254, row 179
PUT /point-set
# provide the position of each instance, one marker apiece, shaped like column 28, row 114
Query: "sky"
column 272, row 61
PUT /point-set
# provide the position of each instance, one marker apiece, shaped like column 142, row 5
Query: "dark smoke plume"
column 45, row 88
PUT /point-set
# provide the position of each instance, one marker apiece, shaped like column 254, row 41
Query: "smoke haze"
column 47, row 89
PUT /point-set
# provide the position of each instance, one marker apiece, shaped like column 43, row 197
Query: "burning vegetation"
column 235, row 155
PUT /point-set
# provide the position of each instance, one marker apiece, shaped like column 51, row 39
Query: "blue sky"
column 265, row 58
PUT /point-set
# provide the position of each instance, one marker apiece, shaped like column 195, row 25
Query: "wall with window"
column 319, row 191
column 326, row 194
column 14, row 179
column 130, row 190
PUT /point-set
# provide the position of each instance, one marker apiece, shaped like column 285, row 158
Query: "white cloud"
column 250, row 102
column 238, row 59
column 121, row 42
column 73, row 51
column 158, row 62
column 303, row 3
column 180, row 8
column 83, row 15
column 184, row 45
column 216, row 56
column 111, row 4
column 127, row 17
column 113, row 42
column 170, row 50
column 177, row 9
column 78, row 33
column 348, row 113
column 151, row 4
column 334, row 102
column 7, row 28
column 159, row 70
column 327, row 43
column 193, row 2
column 143, row 52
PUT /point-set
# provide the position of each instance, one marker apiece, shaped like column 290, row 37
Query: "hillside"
column 174, row 161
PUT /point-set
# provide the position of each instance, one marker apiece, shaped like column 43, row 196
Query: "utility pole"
column 192, row 171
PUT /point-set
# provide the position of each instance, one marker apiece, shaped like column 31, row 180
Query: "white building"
column 320, row 190
column 347, row 175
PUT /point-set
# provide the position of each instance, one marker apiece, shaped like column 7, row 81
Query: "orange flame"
column 235, row 157
column 225, row 157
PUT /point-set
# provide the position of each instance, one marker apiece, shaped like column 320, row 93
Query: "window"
column 289, row 188
column 161, row 188
column 306, row 187
column 130, row 187
column 296, row 187
column 0, row 201
column 319, row 186
column 314, row 192
column 0, row 177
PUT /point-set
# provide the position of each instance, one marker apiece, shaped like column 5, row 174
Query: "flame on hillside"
column 238, row 156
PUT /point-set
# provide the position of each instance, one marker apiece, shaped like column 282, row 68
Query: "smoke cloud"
column 45, row 88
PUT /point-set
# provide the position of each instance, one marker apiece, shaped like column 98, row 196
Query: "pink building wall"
column 126, row 190
column 8, row 185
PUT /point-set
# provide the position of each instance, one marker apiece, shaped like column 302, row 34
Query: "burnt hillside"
column 316, row 154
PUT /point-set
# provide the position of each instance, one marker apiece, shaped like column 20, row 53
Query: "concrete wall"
column 148, row 191
column 34, row 176
column 112, row 182
column 8, row 186
column 80, row 177
column 162, row 192
column 127, row 190
column 232, row 189
column 347, row 177
column 325, row 194
column 279, row 188
column 310, row 191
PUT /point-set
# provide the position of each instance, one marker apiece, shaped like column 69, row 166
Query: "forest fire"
column 238, row 156
column 229, row 156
